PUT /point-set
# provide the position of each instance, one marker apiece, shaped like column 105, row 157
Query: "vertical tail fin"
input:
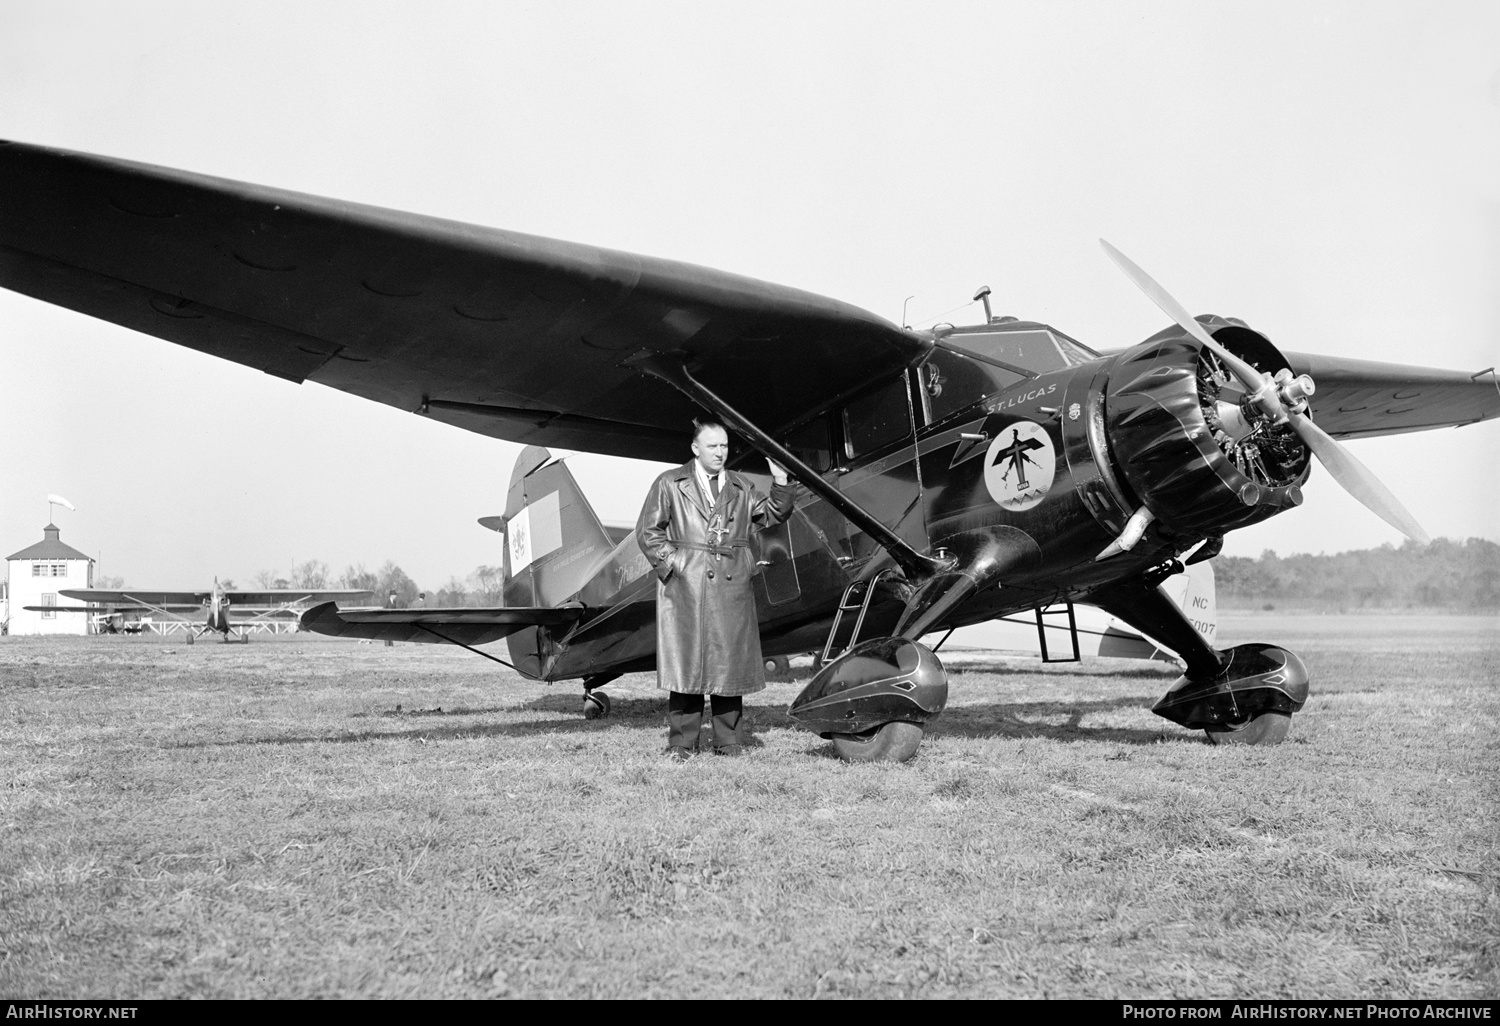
column 554, row 543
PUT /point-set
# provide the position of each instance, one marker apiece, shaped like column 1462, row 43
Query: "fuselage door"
column 877, row 462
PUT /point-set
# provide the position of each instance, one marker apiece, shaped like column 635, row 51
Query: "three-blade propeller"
column 1284, row 404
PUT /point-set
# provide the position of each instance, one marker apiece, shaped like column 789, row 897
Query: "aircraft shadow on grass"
column 1060, row 721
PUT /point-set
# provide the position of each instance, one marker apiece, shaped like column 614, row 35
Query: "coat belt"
column 718, row 550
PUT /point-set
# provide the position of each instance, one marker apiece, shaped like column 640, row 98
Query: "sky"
column 1327, row 171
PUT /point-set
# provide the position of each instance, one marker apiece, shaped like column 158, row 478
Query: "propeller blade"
column 1254, row 381
column 1356, row 479
column 1353, row 476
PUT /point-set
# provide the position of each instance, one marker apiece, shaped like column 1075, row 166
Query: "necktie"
column 713, row 486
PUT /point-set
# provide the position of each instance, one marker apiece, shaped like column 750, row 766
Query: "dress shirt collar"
column 702, row 476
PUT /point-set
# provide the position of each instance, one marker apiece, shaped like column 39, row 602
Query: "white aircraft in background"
column 262, row 606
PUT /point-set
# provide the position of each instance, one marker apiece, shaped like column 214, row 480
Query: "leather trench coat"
column 707, row 634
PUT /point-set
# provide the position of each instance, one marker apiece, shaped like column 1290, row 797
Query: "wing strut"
column 674, row 372
column 471, row 648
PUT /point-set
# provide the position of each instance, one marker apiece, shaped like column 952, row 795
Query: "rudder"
column 554, row 542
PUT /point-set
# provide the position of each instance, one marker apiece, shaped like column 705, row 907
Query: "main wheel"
column 1269, row 728
column 890, row 742
column 595, row 704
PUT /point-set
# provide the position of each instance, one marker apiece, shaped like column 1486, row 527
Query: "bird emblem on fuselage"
column 1020, row 465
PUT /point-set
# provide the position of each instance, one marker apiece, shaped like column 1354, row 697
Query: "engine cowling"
column 1199, row 458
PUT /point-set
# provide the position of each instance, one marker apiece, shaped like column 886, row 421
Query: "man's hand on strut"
column 778, row 472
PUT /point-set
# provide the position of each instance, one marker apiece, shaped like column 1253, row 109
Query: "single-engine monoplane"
column 229, row 612
column 948, row 476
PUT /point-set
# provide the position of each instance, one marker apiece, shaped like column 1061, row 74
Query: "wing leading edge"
column 509, row 335
column 267, row 598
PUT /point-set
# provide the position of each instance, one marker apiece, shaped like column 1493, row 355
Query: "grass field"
column 300, row 818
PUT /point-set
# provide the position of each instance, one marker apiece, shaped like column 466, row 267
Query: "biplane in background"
column 947, row 476
column 228, row 612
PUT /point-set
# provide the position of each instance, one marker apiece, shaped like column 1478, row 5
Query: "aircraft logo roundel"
column 1020, row 465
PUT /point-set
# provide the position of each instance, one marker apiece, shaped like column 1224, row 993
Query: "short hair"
column 701, row 425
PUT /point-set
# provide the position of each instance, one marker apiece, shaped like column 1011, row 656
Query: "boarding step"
column 856, row 598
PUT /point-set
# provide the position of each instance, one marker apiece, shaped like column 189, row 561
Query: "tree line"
column 482, row 587
column 1444, row 574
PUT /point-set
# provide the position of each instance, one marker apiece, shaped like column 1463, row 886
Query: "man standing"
column 695, row 529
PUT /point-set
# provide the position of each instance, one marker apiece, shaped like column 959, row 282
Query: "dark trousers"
column 685, row 719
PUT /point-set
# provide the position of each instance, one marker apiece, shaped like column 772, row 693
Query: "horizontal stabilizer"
column 1117, row 643
column 459, row 625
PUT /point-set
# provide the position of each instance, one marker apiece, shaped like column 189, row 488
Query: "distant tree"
column 451, row 594
column 1443, row 574
column 312, row 574
column 112, row 583
column 488, row 585
column 357, row 576
column 227, row 583
column 266, row 579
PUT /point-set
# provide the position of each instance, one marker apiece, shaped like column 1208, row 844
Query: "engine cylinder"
column 1199, row 468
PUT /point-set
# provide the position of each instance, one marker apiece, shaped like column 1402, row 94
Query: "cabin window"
column 951, row 382
column 878, row 419
column 812, row 444
column 1035, row 350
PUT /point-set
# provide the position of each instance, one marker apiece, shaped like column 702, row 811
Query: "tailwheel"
column 889, row 742
column 595, row 705
column 1269, row 728
column 779, row 668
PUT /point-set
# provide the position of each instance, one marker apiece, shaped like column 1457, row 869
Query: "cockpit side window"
column 951, row 382
column 811, row 443
column 877, row 419
column 1035, row 350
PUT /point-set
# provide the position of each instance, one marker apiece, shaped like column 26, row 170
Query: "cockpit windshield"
column 1030, row 350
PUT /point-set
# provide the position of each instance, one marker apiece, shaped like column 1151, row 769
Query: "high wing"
column 139, row 597
column 285, row 596
column 509, row 335
column 193, row 599
column 458, row 625
column 1363, row 398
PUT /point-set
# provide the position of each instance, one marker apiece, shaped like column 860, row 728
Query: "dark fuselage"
column 1014, row 482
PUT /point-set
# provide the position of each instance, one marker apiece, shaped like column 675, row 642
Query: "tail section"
column 554, row 543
